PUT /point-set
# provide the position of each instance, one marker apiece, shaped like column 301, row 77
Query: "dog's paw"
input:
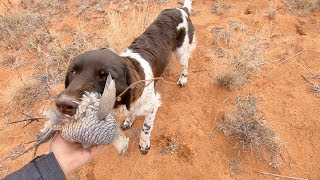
column 125, row 125
column 144, row 150
column 144, row 145
column 183, row 80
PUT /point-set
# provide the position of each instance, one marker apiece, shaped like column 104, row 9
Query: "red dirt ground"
column 189, row 114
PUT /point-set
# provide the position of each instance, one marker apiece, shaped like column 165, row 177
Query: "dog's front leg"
column 146, row 131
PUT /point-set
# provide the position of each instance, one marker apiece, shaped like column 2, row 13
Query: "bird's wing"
column 107, row 98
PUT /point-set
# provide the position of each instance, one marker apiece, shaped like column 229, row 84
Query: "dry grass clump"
column 12, row 61
column 271, row 14
column 8, row 60
column 17, row 24
column 222, row 36
column 219, row 52
column 241, row 57
column 168, row 145
column 305, row 6
column 237, row 25
column 116, row 33
column 93, row 7
column 234, row 166
column 253, row 53
column 232, row 80
column 316, row 89
column 53, row 7
column 219, row 8
column 23, row 93
column 242, row 66
column 315, row 85
column 246, row 127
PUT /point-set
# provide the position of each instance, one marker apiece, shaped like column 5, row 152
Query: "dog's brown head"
column 88, row 72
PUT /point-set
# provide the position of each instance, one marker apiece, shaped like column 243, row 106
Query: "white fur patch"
column 183, row 53
column 188, row 4
column 149, row 98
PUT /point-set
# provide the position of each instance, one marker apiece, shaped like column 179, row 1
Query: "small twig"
column 24, row 84
column 29, row 119
column 305, row 66
column 287, row 59
column 284, row 160
column 268, row 62
column 277, row 175
column 199, row 70
column 137, row 82
column 308, row 80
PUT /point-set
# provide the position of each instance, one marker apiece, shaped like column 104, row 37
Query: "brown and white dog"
column 145, row 59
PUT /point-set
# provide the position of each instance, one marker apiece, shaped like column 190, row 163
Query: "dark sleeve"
column 42, row 167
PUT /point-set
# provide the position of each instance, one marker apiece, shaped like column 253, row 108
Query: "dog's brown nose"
column 66, row 104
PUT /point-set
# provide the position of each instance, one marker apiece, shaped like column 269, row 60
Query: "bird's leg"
column 41, row 138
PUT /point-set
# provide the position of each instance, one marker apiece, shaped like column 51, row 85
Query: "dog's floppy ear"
column 133, row 93
column 66, row 80
column 127, row 97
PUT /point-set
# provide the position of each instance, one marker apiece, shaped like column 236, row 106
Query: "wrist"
column 48, row 165
column 63, row 163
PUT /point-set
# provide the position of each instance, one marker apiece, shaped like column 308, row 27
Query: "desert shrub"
column 231, row 80
column 237, row 25
column 222, row 36
column 271, row 14
column 168, row 144
column 314, row 81
column 52, row 7
column 22, row 93
column 234, row 166
column 219, row 8
column 246, row 128
column 316, row 89
column 17, row 24
column 12, row 61
column 304, row 6
column 242, row 65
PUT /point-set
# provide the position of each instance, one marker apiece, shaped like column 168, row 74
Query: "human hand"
column 71, row 156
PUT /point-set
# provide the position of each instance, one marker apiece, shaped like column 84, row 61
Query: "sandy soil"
column 189, row 115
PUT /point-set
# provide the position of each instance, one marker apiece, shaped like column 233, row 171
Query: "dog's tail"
column 187, row 6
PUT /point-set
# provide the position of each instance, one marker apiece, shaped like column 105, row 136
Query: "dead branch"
column 308, row 80
column 137, row 82
column 29, row 119
column 277, row 175
column 199, row 70
column 284, row 60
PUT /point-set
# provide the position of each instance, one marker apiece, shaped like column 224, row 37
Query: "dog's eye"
column 73, row 73
column 103, row 76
